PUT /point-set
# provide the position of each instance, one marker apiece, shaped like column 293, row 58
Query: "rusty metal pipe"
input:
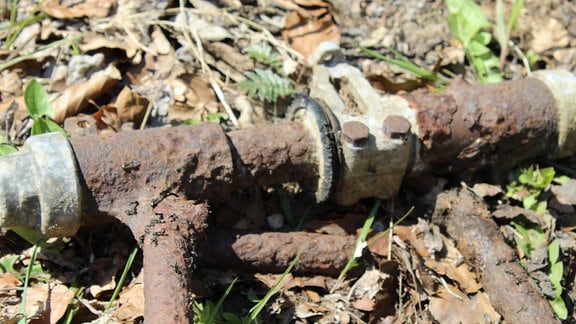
column 128, row 173
column 469, row 127
column 151, row 186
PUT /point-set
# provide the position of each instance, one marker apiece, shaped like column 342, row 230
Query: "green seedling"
column 530, row 184
column 528, row 189
column 269, row 85
column 210, row 313
column 264, row 55
column 40, row 109
column 467, row 23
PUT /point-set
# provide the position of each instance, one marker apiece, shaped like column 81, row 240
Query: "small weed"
column 531, row 183
column 264, row 55
column 361, row 242
column 40, row 109
column 269, row 85
column 467, row 23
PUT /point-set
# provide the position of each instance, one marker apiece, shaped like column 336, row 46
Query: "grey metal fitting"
column 39, row 187
column 562, row 84
column 374, row 160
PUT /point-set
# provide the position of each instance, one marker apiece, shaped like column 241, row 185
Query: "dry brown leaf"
column 447, row 308
column 86, row 8
column 92, row 41
column 452, row 263
column 566, row 193
column 378, row 244
column 48, row 302
column 130, row 303
column 305, row 29
column 76, row 98
column 8, row 280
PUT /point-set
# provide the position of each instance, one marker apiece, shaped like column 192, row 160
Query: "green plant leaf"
column 466, row 19
column 559, row 308
column 44, row 125
column 268, row 85
column 7, row 263
column 263, row 54
column 6, row 149
column 37, row 101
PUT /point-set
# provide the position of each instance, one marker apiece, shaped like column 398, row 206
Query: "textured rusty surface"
column 273, row 155
column 273, row 251
column 472, row 126
column 127, row 173
column 512, row 293
column 168, row 243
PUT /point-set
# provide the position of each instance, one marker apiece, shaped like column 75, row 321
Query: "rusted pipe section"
column 469, row 127
column 129, row 173
column 169, row 247
column 512, row 293
column 273, row 251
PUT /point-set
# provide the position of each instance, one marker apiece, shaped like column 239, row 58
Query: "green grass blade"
column 120, row 284
column 216, row 309
column 359, row 245
column 257, row 309
column 403, row 64
column 27, row 283
column 515, row 14
column 501, row 31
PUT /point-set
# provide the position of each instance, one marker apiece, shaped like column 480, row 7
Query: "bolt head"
column 396, row 127
column 355, row 133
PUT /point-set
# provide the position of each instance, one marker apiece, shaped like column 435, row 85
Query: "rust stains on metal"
column 146, row 166
column 395, row 126
column 272, row 252
column 472, row 126
column 355, row 133
column 273, row 155
column 169, row 246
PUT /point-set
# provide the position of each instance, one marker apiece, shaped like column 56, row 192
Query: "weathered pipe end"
column 39, row 187
column 562, row 84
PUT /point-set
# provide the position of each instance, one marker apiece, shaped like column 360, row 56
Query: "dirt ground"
column 456, row 257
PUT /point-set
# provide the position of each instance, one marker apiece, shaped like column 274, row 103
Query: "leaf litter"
column 156, row 63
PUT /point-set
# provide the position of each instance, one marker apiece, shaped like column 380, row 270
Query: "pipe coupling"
column 39, row 187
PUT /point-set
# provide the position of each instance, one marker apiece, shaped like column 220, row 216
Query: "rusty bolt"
column 396, row 126
column 355, row 133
